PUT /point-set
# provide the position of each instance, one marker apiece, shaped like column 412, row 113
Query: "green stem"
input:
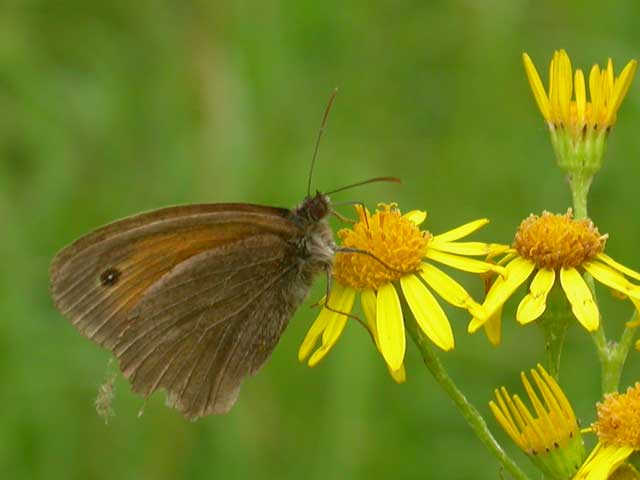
column 468, row 411
column 617, row 356
column 610, row 370
column 580, row 185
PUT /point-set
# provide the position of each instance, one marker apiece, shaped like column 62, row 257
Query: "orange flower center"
column 555, row 241
column 395, row 246
column 619, row 418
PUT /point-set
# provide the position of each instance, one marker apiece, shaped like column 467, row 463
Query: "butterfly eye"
column 319, row 207
column 109, row 277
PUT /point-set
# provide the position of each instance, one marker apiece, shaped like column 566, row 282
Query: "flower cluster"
column 401, row 275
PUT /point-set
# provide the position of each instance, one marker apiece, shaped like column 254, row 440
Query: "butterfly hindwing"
column 214, row 320
column 190, row 299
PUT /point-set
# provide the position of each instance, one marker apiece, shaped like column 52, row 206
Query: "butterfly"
column 192, row 299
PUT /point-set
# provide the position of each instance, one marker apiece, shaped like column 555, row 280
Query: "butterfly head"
column 313, row 208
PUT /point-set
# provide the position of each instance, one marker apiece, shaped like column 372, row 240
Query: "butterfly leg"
column 365, row 252
column 345, row 219
column 328, row 295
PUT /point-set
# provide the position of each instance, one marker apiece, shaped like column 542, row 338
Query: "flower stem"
column 468, row 411
column 580, row 184
column 617, row 356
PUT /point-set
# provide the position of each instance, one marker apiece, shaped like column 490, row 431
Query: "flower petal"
column 620, row 89
column 581, row 97
column 462, row 263
column 565, row 85
column 469, row 248
column 390, row 326
column 314, row 333
column 614, row 279
column 450, row 290
column 428, row 313
column 516, row 272
column 595, row 91
column 536, row 86
column 618, row 266
column 603, row 461
column 535, row 303
column 329, row 324
column 493, row 328
column 579, row 295
column 416, row 216
column 368, row 302
column 400, row 375
column 461, row 231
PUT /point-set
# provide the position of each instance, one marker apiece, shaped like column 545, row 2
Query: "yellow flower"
column 561, row 110
column 551, row 247
column 618, row 430
column 551, row 436
column 579, row 128
column 382, row 252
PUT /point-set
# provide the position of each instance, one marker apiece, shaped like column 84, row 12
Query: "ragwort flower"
column 579, row 127
column 549, row 248
column 551, row 435
column 386, row 254
column 618, row 430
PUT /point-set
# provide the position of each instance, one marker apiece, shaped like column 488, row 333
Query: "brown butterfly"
column 194, row 298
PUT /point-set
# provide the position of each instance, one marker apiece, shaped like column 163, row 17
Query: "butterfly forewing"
column 190, row 299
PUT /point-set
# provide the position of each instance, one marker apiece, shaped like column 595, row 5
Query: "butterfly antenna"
column 322, row 128
column 366, row 182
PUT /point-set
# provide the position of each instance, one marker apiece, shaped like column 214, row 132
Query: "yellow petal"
column 493, row 328
column 581, row 97
column 319, row 325
column 612, row 457
column 553, row 88
column 427, row 311
column 469, row 248
column 618, row 266
column 416, row 216
column 620, row 90
column 579, row 295
column 565, row 86
column 341, row 299
column 536, row 86
column 609, row 80
column 461, row 231
column 390, row 326
column 329, row 324
column 504, row 421
column 516, row 272
column 535, row 303
column 603, row 461
column 463, row 263
column 400, row 375
column 450, row 290
column 595, row 91
column 614, row 279
column 368, row 302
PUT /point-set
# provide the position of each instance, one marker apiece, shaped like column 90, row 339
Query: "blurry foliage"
column 111, row 108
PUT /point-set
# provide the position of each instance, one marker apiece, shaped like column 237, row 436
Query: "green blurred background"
column 111, row 108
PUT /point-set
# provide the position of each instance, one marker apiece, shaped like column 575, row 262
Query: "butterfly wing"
column 191, row 299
